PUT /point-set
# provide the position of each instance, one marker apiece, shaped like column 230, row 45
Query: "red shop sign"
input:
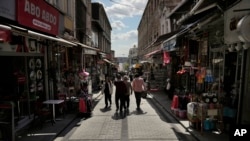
column 39, row 15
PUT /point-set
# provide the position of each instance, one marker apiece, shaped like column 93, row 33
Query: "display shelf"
column 205, row 113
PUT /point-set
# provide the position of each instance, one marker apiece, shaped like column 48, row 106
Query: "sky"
column 124, row 17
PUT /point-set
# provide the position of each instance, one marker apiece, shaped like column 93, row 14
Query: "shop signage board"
column 169, row 45
column 39, row 15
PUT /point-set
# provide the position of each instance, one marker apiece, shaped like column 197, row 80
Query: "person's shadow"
column 138, row 112
column 124, row 114
column 105, row 109
column 117, row 116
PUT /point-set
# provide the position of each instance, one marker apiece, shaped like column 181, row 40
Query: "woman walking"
column 138, row 86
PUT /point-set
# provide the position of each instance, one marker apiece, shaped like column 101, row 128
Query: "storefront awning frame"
column 26, row 32
column 86, row 46
column 153, row 52
column 58, row 39
column 170, row 43
column 106, row 60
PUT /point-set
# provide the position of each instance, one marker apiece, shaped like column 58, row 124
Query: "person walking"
column 169, row 89
column 138, row 86
column 128, row 93
column 107, row 90
column 119, row 93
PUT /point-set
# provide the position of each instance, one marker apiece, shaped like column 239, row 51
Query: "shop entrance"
column 21, row 83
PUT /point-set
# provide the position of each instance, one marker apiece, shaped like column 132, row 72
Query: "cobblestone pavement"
column 147, row 124
column 154, row 123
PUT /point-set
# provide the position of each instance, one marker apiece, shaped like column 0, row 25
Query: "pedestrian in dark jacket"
column 107, row 90
column 120, row 93
column 169, row 89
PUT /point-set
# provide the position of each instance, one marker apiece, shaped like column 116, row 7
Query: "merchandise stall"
column 201, row 75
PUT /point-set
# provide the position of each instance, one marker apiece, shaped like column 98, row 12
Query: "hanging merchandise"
column 166, row 58
column 209, row 77
column 181, row 71
column 200, row 75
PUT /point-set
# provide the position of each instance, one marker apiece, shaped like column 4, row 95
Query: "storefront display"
column 36, row 78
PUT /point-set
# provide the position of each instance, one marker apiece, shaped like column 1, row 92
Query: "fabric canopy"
column 153, row 52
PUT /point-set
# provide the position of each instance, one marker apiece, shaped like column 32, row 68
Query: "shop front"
column 200, row 74
column 25, row 40
column 26, row 71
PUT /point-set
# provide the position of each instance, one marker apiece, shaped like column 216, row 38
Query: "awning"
column 170, row 43
column 51, row 38
column 26, row 32
column 86, row 46
column 164, row 37
column 102, row 54
column 106, row 60
column 203, row 5
column 142, row 62
column 153, row 52
column 201, row 8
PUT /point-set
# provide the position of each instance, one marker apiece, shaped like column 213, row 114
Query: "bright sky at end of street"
column 124, row 17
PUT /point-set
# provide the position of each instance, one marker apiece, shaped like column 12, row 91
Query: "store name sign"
column 39, row 15
column 169, row 45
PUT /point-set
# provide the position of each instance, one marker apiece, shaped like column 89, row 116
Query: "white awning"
column 106, row 60
column 153, row 52
column 51, row 38
column 26, row 32
column 86, row 46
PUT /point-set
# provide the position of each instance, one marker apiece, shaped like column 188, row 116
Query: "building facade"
column 43, row 47
column 102, row 38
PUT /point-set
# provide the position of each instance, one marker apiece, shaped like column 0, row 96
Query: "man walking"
column 138, row 86
column 107, row 90
column 120, row 93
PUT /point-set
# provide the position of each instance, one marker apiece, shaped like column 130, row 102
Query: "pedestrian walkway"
column 107, row 124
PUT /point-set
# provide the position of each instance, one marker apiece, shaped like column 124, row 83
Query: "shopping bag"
column 82, row 106
column 144, row 94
